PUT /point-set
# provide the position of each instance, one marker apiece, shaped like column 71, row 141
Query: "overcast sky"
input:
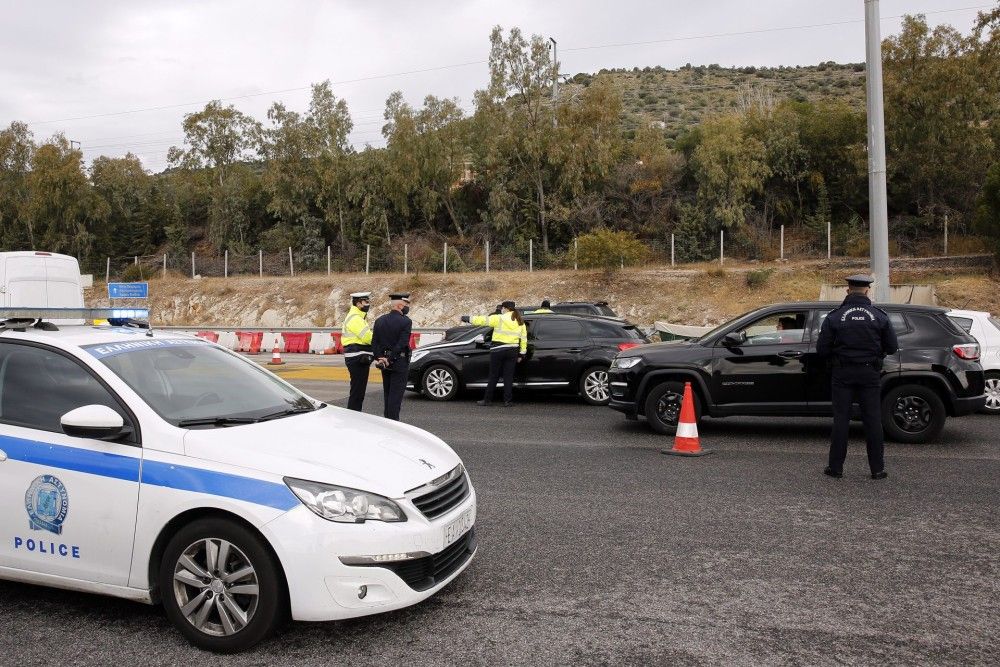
column 75, row 67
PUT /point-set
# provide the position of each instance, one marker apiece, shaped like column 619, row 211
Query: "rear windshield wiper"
column 216, row 421
column 286, row 413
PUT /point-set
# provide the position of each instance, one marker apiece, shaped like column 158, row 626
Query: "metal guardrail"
column 216, row 327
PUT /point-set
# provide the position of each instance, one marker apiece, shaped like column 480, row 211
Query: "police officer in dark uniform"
column 391, row 347
column 856, row 337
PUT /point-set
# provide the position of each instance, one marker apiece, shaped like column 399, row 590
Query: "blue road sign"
column 128, row 290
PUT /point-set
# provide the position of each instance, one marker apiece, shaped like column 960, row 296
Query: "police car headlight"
column 627, row 362
column 418, row 355
column 343, row 505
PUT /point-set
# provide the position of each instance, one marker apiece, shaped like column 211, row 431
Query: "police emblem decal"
column 47, row 503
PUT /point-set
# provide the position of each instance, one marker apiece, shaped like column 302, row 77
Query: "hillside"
column 699, row 295
column 679, row 99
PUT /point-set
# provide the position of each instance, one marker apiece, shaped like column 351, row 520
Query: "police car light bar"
column 74, row 314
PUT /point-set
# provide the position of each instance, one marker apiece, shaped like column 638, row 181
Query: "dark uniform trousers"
column 503, row 360
column 393, row 387
column 358, row 367
column 861, row 384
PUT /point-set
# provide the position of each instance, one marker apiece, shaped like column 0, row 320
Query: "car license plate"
column 458, row 527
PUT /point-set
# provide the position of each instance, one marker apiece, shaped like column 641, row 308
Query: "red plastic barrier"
column 208, row 335
column 296, row 342
column 414, row 340
column 338, row 345
column 249, row 341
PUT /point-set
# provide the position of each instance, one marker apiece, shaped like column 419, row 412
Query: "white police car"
column 158, row 467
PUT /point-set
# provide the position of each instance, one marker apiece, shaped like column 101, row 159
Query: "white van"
column 40, row 279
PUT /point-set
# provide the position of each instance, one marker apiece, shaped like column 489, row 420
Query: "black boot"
column 832, row 473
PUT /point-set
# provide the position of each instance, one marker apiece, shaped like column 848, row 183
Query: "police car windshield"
column 194, row 384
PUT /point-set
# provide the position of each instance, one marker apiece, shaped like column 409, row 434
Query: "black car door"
column 555, row 344
column 475, row 359
column 763, row 367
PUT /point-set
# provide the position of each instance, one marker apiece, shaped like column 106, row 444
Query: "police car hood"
column 331, row 445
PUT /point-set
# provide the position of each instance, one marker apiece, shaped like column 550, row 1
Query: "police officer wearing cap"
column 856, row 337
column 509, row 345
column 391, row 347
column 357, row 341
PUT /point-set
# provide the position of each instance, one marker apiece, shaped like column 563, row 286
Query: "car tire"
column 663, row 406
column 594, row 387
column 912, row 413
column 992, row 406
column 439, row 383
column 225, row 621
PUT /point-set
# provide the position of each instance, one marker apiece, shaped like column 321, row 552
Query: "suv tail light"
column 627, row 346
column 967, row 351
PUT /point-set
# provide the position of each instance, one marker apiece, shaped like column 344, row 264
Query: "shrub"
column 132, row 274
column 758, row 278
column 608, row 250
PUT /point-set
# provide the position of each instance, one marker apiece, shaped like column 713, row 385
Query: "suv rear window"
column 556, row 329
column 611, row 330
column 964, row 322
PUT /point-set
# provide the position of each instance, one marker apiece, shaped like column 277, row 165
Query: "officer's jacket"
column 356, row 330
column 857, row 332
column 506, row 330
column 391, row 336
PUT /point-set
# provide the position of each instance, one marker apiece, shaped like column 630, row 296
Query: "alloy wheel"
column 596, row 386
column 668, row 408
column 912, row 413
column 993, row 393
column 216, row 587
column 439, row 383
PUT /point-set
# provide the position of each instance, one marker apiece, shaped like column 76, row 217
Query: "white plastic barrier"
column 320, row 342
column 271, row 338
column 228, row 339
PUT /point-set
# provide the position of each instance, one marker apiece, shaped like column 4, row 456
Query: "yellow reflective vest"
column 506, row 330
column 356, row 330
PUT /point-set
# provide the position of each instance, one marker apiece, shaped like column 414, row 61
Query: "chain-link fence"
column 417, row 255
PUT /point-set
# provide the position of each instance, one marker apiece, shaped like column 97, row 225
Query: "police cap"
column 361, row 295
column 400, row 296
column 509, row 305
column 860, row 280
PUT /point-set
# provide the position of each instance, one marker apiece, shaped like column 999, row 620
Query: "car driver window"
column 776, row 329
column 33, row 372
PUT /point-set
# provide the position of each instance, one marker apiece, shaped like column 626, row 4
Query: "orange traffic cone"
column 686, row 442
column 275, row 357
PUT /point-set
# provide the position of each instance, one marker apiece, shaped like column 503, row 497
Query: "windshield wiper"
column 216, row 421
column 286, row 413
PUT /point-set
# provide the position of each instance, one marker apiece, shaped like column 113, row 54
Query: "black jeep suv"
column 765, row 363
column 565, row 352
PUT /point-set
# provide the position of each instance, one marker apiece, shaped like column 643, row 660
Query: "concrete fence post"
column 328, row 260
column 107, row 272
column 225, row 264
column 135, row 260
column 487, row 257
column 722, row 246
column 164, row 265
column 192, row 265
column 576, row 253
column 445, row 257
column 291, row 262
column 671, row 250
column 531, row 255
column 945, row 234
column 782, row 251
column 406, row 258
column 260, row 262
column 829, row 240
column 368, row 257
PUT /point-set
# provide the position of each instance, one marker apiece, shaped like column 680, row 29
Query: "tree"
column 331, row 124
column 126, row 190
column 16, row 153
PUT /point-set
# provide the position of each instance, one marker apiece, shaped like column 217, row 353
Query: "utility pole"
column 555, row 81
column 877, row 200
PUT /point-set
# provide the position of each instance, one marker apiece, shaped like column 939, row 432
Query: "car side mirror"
column 734, row 339
column 479, row 340
column 93, row 421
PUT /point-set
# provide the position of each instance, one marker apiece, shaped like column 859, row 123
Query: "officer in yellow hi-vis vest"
column 510, row 344
column 357, row 342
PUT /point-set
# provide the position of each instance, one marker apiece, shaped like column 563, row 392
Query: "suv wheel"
column 663, row 406
column 594, row 387
column 221, row 586
column 912, row 413
column 992, row 406
column 440, row 383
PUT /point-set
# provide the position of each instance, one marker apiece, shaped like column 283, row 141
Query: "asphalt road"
column 597, row 549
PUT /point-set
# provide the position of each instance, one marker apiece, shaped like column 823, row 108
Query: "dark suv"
column 565, row 352
column 765, row 363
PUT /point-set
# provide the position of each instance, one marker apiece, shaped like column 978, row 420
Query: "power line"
column 439, row 68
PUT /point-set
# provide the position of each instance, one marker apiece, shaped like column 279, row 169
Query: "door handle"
column 790, row 354
column 575, row 349
column 3, row 455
